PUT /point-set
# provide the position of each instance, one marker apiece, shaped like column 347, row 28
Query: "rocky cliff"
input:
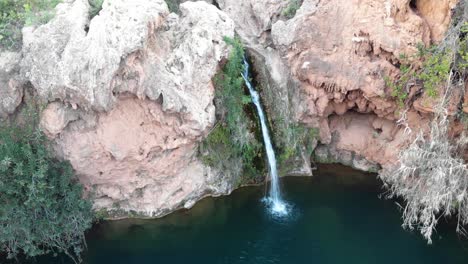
column 129, row 93
column 129, row 96
column 332, row 58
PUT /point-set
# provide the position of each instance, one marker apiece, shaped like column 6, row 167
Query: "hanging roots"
column 432, row 176
column 432, row 179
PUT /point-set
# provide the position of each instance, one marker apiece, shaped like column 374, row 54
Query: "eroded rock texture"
column 11, row 88
column 339, row 53
column 132, row 96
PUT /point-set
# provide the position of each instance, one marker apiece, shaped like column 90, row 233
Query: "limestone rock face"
column 132, row 97
column 142, row 159
column 341, row 55
column 339, row 52
column 11, row 89
column 437, row 14
column 74, row 59
column 130, row 92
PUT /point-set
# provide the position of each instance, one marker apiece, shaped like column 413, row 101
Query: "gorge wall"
column 129, row 93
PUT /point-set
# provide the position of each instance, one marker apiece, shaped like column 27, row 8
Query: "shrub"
column 15, row 14
column 435, row 71
column 95, row 7
column 41, row 209
column 292, row 8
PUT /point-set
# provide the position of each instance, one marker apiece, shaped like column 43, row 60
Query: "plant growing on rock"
column 95, row 7
column 173, row 5
column 41, row 209
column 432, row 175
column 292, row 8
column 232, row 146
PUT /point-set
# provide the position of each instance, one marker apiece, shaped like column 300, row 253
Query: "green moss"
column 232, row 143
column 15, row 14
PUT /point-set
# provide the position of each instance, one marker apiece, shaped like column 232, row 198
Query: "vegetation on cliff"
column 232, row 146
column 173, row 6
column 15, row 14
column 432, row 175
column 290, row 11
column 95, row 7
column 41, row 208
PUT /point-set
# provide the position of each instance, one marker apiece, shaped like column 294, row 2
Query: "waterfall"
column 277, row 205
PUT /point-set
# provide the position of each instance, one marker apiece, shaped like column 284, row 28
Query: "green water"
column 337, row 218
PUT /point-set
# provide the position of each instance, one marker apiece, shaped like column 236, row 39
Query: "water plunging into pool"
column 274, row 201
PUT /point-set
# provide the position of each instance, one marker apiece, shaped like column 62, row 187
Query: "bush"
column 435, row 71
column 15, row 14
column 41, row 209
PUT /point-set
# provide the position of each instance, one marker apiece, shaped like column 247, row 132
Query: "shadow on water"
column 337, row 218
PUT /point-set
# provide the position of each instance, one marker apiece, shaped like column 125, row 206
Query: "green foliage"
column 14, row 14
column 173, row 6
column 398, row 88
column 95, row 7
column 292, row 8
column 41, row 209
column 435, row 71
column 462, row 61
column 438, row 63
column 232, row 141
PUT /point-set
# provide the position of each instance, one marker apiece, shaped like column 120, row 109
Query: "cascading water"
column 276, row 204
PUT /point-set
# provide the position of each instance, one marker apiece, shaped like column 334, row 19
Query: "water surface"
column 337, row 218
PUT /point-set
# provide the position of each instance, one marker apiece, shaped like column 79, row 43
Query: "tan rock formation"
column 437, row 14
column 131, row 93
column 11, row 90
column 140, row 158
column 340, row 51
column 135, row 97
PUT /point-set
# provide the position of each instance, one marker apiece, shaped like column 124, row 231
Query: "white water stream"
column 274, row 201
